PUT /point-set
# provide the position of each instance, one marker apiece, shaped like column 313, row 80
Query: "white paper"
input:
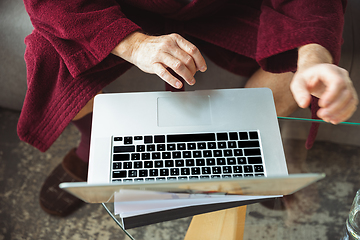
column 133, row 202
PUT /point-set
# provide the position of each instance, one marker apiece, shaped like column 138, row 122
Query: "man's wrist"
column 126, row 48
column 311, row 54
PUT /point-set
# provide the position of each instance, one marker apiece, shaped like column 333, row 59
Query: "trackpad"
column 183, row 111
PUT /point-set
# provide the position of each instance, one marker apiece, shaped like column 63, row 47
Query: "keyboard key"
column 143, row 173
column 128, row 140
column 150, row 148
column 117, row 180
column 258, row 168
column 248, row 175
column 197, row 154
column 132, row 173
column 186, row 154
column 145, row 156
column 248, row 144
column 226, row 169
column 201, row 145
column 181, row 146
column 171, row 178
column 127, row 165
column 171, row 147
column 190, row 162
column 210, row 161
column 179, row 163
column 155, row 155
column 207, row 153
column 117, row 165
column 116, row 139
column 228, row 153
column 211, row 145
column 148, row 139
column 176, row 154
column 226, row 176
column 222, row 136
column 243, row 135
column 159, row 164
column 233, row 136
column 217, row 153
column 215, row 176
column 135, row 156
column 191, row 146
column 259, row 175
column 160, row 147
column 153, row 172
column 166, row 155
column 205, row 170
column 149, row 179
column 160, row 179
column 183, row 178
column 174, row 172
column 241, row 160
column 204, row 177
column 197, row 137
column 238, row 152
column 119, row 174
column 252, row 151
column 200, row 162
column 195, row 171
column 220, row 161
column 185, row 171
column 237, row 169
column 164, row 172
column 138, row 138
column 221, row 144
column 140, row 148
column 119, row 149
column 138, row 180
column 248, row 169
column 169, row 163
column 238, row 175
column 254, row 160
column 138, row 164
column 216, row 170
column 148, row 164
column 127, row 180
column 193, row 177
column 253, row 135
column 232, row 144
column 159, row 138
column 231, row 161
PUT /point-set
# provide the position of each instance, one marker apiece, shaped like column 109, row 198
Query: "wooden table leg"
column 225, row 224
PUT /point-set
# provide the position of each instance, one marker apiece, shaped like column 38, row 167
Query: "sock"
column 84, row 126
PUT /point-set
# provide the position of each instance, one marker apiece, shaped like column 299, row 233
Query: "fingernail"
column 203, row 68
column 178, row 84
column 192, row 81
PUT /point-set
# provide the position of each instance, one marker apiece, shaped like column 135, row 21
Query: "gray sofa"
column 15, row 26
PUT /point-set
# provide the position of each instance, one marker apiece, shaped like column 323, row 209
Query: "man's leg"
column 280, row 86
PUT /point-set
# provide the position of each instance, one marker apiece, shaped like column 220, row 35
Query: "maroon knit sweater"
column 69, row 60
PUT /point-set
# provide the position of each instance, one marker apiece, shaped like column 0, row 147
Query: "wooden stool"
column 225, row 224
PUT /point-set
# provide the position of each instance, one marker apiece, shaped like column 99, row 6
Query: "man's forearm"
column 311, row 54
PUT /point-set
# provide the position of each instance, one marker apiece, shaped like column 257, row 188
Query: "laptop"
column 224, row 140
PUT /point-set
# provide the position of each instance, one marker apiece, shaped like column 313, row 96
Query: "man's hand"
column 330, row 83
column 153, row 54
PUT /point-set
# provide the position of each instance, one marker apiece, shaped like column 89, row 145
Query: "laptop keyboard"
column 186, row 156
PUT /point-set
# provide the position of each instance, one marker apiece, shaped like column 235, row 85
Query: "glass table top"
column 318, row 211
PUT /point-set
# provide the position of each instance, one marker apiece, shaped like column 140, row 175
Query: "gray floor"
column 318, row 212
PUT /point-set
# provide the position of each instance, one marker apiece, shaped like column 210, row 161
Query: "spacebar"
column 195, row 137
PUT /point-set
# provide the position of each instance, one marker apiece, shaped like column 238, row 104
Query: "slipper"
column 56, row 201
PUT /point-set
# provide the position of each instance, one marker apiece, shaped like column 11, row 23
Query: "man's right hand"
column 153, row 54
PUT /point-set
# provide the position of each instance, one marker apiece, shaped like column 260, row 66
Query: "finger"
column 300, row 92
column 344, row 113
column 193, row 51
column 179, row 67
column 165, row 75
column 186, row 59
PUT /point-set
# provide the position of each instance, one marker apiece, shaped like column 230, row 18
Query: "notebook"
column 224, row 140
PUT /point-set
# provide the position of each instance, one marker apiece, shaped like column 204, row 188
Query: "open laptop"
column 225, row 140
